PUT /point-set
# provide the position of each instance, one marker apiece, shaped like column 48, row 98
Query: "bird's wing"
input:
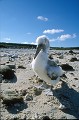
column 53, row 76
column 51, row 69
column 52, row 63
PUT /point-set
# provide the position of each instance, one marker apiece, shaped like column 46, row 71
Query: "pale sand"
column 42, row 105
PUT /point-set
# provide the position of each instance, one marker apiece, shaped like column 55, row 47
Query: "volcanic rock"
column 73, row 59
column 67, row 67
column 7, row 72
column 11, row 97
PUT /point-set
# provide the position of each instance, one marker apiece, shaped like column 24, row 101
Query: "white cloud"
column 34, row 43
column 52, row 40
column 25, row 42
column 66, row 36
column 28, row 33
column 53, row 31
column 7, row 39
column 63, row 37
column 42, row 18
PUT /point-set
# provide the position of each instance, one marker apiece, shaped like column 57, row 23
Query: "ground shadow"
column 17, row 107
column 68, row 97
column 13, row 80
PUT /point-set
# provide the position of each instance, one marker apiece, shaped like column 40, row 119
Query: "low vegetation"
column 31, row 46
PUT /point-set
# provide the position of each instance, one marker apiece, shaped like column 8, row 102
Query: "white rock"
column 61, row 107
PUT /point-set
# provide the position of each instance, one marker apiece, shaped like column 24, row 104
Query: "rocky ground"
column 20, row 100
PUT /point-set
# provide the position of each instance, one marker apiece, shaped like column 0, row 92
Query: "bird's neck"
column 43, row 53
column 44, row 50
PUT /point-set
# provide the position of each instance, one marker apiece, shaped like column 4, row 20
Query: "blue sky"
column 22, row 21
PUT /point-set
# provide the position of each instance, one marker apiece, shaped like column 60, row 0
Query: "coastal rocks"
column 67, row 67
column 46, row 118
column 71, row 52
column 23, row 92
column 21, row 67
column 28, row 97
column 11, row 97
column 21, row 97
column 51, row 56
column 73, row 59
column 16, row 117
column 12, row 66
column 61, row 56
column 12, row 57
column 7, row 72
column 1, row 78
column 37, row 91
column 13, row 102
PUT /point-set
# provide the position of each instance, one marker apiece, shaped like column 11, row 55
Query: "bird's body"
column 45, row 68
column 39, row 65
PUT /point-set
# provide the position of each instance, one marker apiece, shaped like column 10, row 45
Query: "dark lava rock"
column 29, row 58
column 12, row 66
column 64, row 76
column 23, row 92
column 11, row 97
column 1, row 78
column 71, row 52
column 73, row 59
column 50, row 56
column 22, row 67
column 7, row 72
column 46, row 118
column 13, row 102
column 67, row 67
column 37, row 92
column 76, row 78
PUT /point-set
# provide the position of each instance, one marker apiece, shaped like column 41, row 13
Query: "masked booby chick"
column 45, row 68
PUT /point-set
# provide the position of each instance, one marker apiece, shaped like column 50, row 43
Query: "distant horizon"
column 36, row 45
column 22, row 21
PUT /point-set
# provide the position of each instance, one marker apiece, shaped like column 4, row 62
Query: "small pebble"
column 61, row 107
column 28, row 97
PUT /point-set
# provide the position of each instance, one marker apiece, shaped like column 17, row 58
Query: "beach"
column 20, row 100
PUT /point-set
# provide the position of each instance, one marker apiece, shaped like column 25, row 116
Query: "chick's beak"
column 39, row 47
